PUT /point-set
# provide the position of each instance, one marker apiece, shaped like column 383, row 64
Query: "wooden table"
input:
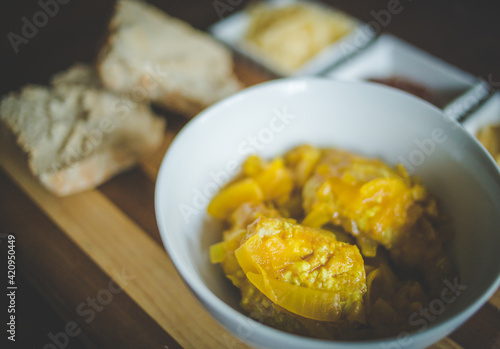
column 92, row 271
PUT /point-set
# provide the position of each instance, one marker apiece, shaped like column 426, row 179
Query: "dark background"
column 465, row 33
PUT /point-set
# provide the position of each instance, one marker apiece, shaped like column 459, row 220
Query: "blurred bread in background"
column 74, row 134
column 174, row 65
column 93, row 121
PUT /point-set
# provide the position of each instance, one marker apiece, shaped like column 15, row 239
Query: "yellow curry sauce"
column 329, row 244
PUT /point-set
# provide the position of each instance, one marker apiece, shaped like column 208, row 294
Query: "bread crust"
column 71, row 134
column 89, row 172
column 169, row 62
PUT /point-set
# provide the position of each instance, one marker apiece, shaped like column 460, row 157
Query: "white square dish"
column 487, row 114
column 389, row 57
column 466, row 104
column 231, row 31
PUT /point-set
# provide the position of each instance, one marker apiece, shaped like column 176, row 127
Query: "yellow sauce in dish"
column 330, row 244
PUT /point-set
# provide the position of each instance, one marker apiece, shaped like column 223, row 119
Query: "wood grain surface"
column 82, row 248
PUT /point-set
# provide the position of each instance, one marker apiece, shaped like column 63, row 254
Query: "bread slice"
column 77, row 75
column 74, row 134
column 150, row 55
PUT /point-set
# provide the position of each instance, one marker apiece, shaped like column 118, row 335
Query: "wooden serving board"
column 79, row 246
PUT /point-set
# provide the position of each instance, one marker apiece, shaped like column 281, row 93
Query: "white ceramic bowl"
column 371, row 119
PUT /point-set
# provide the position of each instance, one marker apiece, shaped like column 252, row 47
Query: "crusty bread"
column 151, row 55
column 80, row 75
column 75, row 135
